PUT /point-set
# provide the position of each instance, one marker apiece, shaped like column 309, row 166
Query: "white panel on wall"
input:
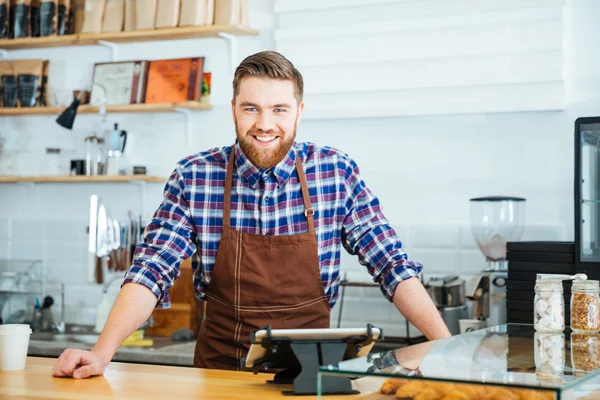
column 400, row 58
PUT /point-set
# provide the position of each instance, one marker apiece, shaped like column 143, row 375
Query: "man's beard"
column 265, row 157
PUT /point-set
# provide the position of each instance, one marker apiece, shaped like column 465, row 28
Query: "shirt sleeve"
column 367, row 233
column 169, row 238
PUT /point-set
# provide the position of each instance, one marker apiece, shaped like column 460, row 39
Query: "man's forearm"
column 133, row 306
column 412, row 300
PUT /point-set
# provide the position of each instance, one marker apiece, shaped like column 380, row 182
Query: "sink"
column 89, row 339
column 163, row 351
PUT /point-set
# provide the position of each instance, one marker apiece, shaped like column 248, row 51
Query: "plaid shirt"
column 188, row 222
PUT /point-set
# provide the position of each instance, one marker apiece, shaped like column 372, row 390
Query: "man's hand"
column 78, row 364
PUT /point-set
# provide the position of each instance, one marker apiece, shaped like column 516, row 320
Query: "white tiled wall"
column 442, row 249
column 424, row 169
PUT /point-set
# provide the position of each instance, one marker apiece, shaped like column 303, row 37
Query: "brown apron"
column 259, row 280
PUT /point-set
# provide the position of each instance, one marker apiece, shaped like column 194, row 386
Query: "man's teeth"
column 265, row 138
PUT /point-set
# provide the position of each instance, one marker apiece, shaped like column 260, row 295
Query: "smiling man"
column 264, row 221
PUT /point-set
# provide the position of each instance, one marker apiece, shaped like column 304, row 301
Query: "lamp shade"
column 67, row 118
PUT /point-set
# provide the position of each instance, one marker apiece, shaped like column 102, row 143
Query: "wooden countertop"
column 143, row 381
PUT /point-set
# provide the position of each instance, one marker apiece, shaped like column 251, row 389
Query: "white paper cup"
column 14, row 343
column 15, row 327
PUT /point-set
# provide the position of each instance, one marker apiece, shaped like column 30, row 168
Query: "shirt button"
column 266, row 198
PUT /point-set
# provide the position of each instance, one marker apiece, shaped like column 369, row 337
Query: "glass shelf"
column 509, row 356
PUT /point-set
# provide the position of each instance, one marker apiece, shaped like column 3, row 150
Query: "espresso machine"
column 494, row 221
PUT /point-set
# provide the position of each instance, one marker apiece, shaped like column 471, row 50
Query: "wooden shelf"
column 127, row 108
column 147, row 35
column 82, row 179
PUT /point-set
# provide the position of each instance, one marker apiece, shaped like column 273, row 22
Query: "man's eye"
column 251, row 109
column 279, row 110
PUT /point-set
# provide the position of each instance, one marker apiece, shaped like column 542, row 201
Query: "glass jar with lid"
column 549, row 356
column 549, row 306
column 585, row 353
column 585, row 306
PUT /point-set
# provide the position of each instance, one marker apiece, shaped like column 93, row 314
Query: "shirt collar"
column 251, row 173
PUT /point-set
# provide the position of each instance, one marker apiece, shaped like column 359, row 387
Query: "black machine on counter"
column 297, row 355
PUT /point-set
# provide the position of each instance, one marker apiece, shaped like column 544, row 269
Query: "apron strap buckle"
column 309, row 212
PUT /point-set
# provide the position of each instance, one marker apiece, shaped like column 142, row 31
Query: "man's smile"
column 265, row 140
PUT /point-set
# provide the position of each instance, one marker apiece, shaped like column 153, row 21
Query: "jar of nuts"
column 549, row 306
column 585, row 353
column 585, row 306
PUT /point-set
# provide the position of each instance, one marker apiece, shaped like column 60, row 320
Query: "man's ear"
column 300, row 110
column 233, row 108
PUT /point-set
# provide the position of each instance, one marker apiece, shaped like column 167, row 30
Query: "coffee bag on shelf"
column 64, row 10
column 29, row 81
column 167, row 13
column 129, row 24
column 93, row 13
column 48, row 17
column 4, row 19
column 78, row 15
column 114, row 14
column 145, row 13
column 196, row 12
column 8, row 84
column 34, row 18
column 19, row 19
column 231, row 12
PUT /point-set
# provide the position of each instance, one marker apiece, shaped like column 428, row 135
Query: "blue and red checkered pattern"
column 188, row 222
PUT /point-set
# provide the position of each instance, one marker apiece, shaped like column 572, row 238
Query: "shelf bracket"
column 188, row 124
column 232, row 43
column 112, row 47
column 3, row 54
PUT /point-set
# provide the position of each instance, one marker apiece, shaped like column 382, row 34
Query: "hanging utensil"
column 123, row 249
column 117, row 245
column 102, row 243
column 92, row 239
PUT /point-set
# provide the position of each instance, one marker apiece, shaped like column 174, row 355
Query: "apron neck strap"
column 309, row 212
column 227, row 193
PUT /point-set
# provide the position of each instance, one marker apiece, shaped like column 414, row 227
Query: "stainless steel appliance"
column 116, row 141
column 448, row 295
column 494, row 221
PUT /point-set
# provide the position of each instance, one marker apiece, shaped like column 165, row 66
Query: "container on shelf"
column 585, row 306
column 549, row 306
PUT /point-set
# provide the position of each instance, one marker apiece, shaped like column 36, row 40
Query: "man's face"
column 266, row 115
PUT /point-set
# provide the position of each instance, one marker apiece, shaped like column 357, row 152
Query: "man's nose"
column 265, row 122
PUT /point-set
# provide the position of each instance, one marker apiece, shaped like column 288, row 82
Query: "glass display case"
column 587, row 191
column 504, row 362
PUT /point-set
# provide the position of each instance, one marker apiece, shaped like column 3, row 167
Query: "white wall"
column 423, row 168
